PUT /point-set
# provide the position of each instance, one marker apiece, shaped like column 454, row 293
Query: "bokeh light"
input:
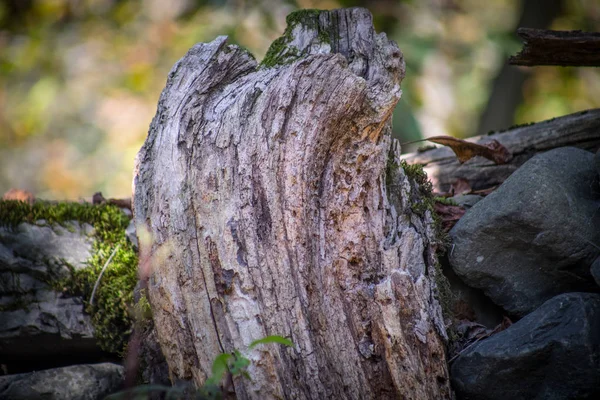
column 80, row 79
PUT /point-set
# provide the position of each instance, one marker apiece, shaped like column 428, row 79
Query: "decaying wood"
column 265, row 193
column 563, row 48
column 579, row 130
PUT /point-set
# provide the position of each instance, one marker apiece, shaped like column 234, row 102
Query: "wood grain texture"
column 562, row 48
column 264, row 190
column 581, row 130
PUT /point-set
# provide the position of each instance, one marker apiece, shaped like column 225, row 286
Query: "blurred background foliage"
column 80, row 79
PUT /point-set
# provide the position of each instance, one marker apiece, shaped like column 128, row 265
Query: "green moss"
column 415, row 172
column 114, row 296
column 421, row 203
column 308, row 18
column 445, row 200
column 142, row 310
column 425, row 200
column 443, row 292
column 280, row 52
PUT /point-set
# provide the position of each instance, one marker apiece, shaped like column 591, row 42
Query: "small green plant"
column 235, row 364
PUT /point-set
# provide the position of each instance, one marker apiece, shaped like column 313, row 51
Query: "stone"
column 533, row 238
column 71, row 243
column 466, row 200
column 552, row 353
column 38, row 322
column 81, row 382
column 467, row 303
column 595, row 270
column 153, row 365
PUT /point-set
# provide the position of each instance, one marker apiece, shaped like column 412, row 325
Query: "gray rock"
column 533, row 238
column 466, row 200
column 595, row 270
column 153, row 365
column 552, row 353
column 76, row 382
column 71, row 243
column 597, row 161
column 471, row 304
column 36, row 319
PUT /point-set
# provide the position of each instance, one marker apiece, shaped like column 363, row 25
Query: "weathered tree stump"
column 273, row 196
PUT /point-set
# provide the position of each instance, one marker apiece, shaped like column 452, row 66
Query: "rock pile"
column 530, row 251
column 48, row 347
column 533, row 246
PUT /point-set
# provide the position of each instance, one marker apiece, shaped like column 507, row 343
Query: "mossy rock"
column 110, row 311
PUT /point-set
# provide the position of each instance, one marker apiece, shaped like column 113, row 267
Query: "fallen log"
column 581, row 130
column 562, row 48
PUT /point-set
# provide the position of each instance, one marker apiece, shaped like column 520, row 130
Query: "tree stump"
column 275, row 204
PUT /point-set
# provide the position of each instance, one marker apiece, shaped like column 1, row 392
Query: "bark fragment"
column 563, row 48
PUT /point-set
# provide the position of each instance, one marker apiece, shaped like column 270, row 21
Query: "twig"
column 466, row 348
column 102, row 272
column 484, row 336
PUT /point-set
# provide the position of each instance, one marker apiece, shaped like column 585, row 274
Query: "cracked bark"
column 264, row 190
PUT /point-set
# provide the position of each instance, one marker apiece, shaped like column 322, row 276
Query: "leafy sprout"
column 234, row 363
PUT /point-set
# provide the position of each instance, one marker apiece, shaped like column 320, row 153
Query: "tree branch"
column 564, row 48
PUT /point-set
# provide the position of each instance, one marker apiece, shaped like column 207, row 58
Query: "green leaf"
column 220, row 366
column 271, row 339
column 210, row 391
column 240, row 363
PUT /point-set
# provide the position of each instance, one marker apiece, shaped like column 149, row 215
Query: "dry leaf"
column 18, row 194
column 464, row 150
column 460, row 186
column 121, row 203
column 449, row 214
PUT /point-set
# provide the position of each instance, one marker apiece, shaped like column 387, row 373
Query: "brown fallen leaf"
column 449, row 214
column 121, row 203
column 464, row 150
column 463, row 310
column 493, row 150
column 460, row 186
